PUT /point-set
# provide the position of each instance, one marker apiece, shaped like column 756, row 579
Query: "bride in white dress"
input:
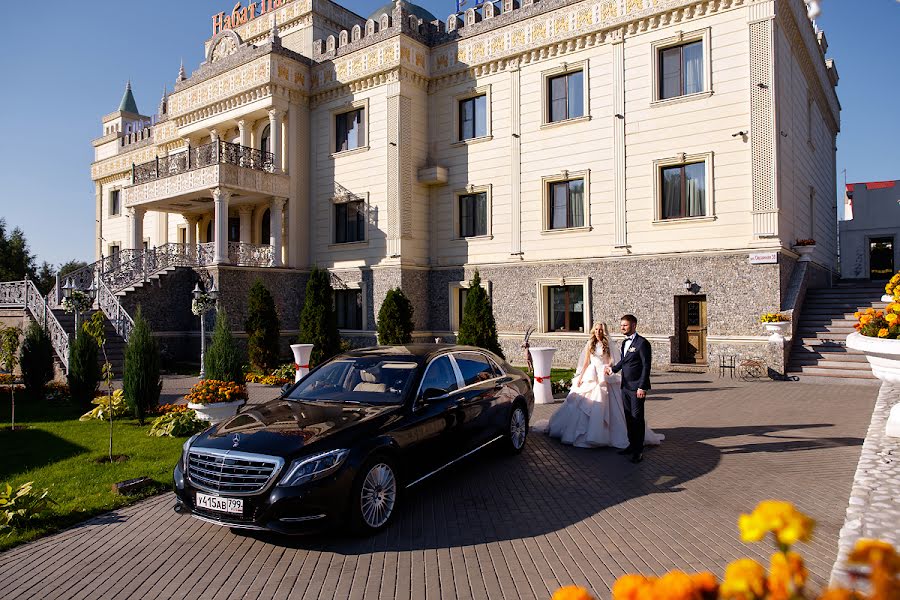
column 593, row 414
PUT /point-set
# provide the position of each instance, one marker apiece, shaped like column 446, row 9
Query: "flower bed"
column 212, row 391
column 774, row 317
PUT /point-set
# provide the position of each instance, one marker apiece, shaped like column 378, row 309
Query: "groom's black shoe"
column 626, row 452
column 637, row 458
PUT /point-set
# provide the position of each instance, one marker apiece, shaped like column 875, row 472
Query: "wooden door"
column 692, row 334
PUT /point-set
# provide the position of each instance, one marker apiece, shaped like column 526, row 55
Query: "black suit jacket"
column 635, row 365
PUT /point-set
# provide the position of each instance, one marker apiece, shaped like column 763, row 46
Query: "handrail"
column 114, row 311
column 218, row 152
column 24, row 294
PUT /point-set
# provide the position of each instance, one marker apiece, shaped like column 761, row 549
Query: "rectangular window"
column 463, row 294
column 113, row 250
column 683, row 191
column 348, row 306
column 115, row 206
column 681, row 70
column 565, row 308
column 566, row 96
column 349, row 132
column 349, row 222
column 473, row 215
column 566, row 204
column 473, row 117
column 182, row 235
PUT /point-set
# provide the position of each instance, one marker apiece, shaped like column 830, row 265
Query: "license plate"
column 227, row 505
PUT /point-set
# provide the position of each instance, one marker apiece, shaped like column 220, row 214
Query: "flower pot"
column 542, row 359
column 805, row 252
column 217, row 411
column 302, row 353
column 884, row 358
column 778, row 331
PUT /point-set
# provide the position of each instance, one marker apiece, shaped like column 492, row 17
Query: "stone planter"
column 302, row 353
column 804, row 252
column 542, row 359
column 887, row 298
column 778, row 331
column 884, row 358
column 217, row 411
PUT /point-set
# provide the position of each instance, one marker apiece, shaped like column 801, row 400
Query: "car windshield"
column 367, row 380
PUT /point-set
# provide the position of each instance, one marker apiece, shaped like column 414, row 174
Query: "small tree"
column 9, row 349
column 140, row 381
column 223, row 361
column 36, row 359
column 318, row 321
column 395, row 319
column 84, row 370
column 478, row 327
column 262, row 328
column 94, row 327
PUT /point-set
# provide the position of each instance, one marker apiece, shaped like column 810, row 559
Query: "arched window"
column 209, row 232
column 266, row 230
column 264, row 143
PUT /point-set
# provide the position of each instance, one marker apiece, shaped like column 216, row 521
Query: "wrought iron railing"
column 214, row 153
column 249, row 255
column 114, row 311
column 24, row 294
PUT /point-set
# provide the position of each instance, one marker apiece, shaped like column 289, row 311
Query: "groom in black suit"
column 635, row 368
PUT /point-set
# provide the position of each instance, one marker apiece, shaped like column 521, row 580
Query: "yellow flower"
column 870, row 311
column 629, row 587
column 839, row 594
column 572, row 592
column 882, row 333
column 752, row 528
column 857, row 315
column 745, row 579
column 865, row 319
column 674, row 585
column 876, row 553
column 891, row 318
column 787, row 575
column 797, row 528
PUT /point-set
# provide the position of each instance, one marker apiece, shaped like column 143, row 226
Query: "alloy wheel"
column 518, row 428
column 378, row 495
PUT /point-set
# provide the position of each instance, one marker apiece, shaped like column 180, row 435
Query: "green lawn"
column 59, row 452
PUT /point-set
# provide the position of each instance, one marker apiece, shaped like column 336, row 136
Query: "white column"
column 191, row 221
column 245, row 212
column 243, row 133
column 275, row 116
column 220, row 198
column 137, row 228
column 275, row 229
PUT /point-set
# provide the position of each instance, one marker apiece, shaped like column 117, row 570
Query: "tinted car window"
column 372, row 380
column 474, row 367
column 440, row 375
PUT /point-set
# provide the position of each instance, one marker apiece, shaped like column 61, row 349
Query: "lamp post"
column 204, row 303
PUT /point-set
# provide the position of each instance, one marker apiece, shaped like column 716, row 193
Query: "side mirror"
column 286, row 387
column 433, row 393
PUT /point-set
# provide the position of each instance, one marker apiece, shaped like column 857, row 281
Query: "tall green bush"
column 395, row 319
column 262, row 328
column 84, row 370
column 478, row 327
column 223, row 360
column 140, row 381
column 36, row 360
column 318, row 321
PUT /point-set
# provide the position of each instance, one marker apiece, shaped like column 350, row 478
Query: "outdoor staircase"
column 115, row 345
column 825, row 322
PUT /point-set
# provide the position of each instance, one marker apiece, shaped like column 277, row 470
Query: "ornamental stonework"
column 240, row 79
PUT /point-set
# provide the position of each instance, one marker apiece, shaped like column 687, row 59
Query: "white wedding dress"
column 593, row 414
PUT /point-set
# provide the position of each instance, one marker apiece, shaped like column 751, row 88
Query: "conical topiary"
column 478, row 327
column 84, row 370
column 223, row 361
column 140, row 382
column 262, row 328
column 395, row 319
column 36, row 360
column 318, row 321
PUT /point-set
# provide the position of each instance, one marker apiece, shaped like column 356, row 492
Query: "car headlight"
column 185, row 447
column 313, row 467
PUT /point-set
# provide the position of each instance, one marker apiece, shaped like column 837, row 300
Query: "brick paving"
column 508, row 527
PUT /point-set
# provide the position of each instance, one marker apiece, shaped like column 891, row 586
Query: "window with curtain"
column 681, row 70
column 683, row 191
column 473, row 117
column 473, row 215
column 566, row 204
column 348, row 306
column 349, row 130
column 566, row 96
column 565, row 308
column 349, row 222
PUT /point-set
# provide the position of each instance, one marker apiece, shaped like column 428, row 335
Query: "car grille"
column 234, row 473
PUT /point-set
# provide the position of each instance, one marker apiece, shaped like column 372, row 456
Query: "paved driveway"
column 501, row 527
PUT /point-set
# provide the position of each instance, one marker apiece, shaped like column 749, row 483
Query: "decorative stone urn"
column 302, row 353
column 884, row 358
column 778, row 331
column 542, row 359
column 217, row 411
column 805, row 252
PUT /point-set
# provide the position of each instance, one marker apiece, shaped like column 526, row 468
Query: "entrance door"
column 692, row 329
column 881, row 258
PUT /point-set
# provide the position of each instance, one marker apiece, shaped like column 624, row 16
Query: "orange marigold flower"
column 840, row 594
column 629, row 587
column 870, row 311
column 882, row 333
column 745, row 579
column 787, row 575
column 891, row 318
column 876, row 553
column 865, row 319
column 705, row 583
column 572, row 592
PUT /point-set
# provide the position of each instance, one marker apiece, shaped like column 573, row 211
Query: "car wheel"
column 375, row 495
column 516, row 429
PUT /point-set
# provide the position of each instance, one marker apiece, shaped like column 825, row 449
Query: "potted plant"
column 890, row 287
column 777, row 325
column 214, row 400
column 805, row 248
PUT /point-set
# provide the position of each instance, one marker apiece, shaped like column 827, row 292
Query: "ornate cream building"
column 588, row 157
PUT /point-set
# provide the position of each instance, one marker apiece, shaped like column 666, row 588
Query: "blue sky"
column 66, row 64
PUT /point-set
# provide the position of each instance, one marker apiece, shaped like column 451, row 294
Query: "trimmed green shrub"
column 395, row 319
column 140, row 381
column 36, row 360
column 223, row 361
column 262, row 328
column 318, row 321
column 478, row 327
column 84, row 370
